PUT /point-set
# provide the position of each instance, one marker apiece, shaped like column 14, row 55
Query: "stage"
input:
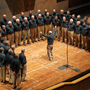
column 42, row 73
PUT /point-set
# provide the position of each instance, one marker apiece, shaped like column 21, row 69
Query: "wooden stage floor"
column 42, row 73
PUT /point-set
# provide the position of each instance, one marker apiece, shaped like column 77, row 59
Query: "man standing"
column 40, row 24
column 64, row 28
column 79, row 19
column 13, row 48
column 30, row 15
column 44, row 14
column 60, row 16
column 36, row 15
column 13, row 20
column 2, row 65
column 23, row 61
column 21, row 18
column 6, row 47
column 56, row 22
column 2, row 43
column 10, row 32
column 0, row 37
column 8, row 62
column 84, row 35
column 86, row 20
column 4, row 32
column 33, row 28
column 47, row 22
column 71, row 28
column 77, row 34
column 88, row 38
column 4, row 21
column 0, row 30
column 26, row 31
column 74, row 18
column 54, row 14
column 50, row 40
column 17, row 29
column 68, row 16
column 15, row 67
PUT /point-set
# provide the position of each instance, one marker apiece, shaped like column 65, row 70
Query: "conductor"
column 50, row 41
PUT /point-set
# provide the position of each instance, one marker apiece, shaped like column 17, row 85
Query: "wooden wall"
column 16, row 6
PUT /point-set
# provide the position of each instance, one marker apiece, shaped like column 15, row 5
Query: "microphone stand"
column 67, row 65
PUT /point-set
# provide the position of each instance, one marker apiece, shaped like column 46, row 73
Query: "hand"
column 8, row 68
column 14, row 73
column 41, row 33
column 55, row 26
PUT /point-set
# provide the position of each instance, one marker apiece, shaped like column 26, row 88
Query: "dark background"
column 73, row 3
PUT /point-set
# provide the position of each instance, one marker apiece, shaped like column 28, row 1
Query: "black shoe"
column 10, row 83
column 28, row 43
column 38, row 40
column 24, row 44
column 6, row 81
column 19, row 88
column 32, row 41
column 62, row 41
column 35, row 41
column 86, row 49
column 72, row 44
column 14, row 87
column 43, row 39
column 75, row 46
column 19, row 44
column 82, row 48
column 69, row 44
column 24, row 80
